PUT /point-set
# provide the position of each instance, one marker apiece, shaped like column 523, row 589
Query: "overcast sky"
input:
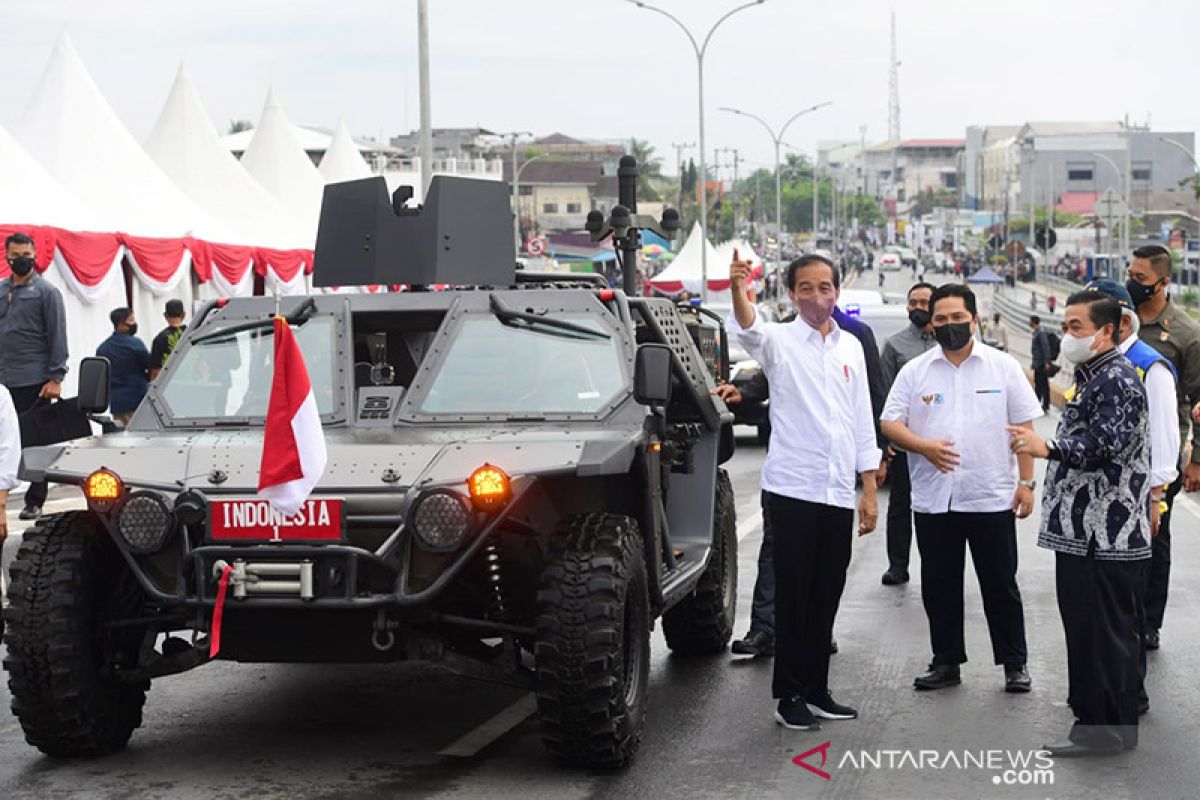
column 607, row 69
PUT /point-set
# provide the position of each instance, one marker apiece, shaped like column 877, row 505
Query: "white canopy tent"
column 343, row 161
column 684, row 271
column 186, row 146
column 29, row 195
column 278, row 162
column 71, row 130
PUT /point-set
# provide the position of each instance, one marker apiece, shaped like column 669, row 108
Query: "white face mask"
column 1077, row 349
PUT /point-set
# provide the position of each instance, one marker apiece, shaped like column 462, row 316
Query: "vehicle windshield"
column 230, row 376
column 492, row 368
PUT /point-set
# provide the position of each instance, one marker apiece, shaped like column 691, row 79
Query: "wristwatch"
column 1031, row 483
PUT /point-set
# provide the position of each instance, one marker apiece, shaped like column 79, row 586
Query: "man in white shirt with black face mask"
column 822, row 433
column 950, row 408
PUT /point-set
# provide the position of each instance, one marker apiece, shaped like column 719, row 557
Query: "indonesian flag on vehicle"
column 294, row 455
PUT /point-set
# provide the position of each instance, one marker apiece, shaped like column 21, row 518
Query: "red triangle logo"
column 801, row 760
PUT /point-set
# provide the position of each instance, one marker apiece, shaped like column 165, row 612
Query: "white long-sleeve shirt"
column 1164, row 420
column 10, row 442
column 822, row 426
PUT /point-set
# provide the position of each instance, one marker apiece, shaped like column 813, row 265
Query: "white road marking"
column 474, row 741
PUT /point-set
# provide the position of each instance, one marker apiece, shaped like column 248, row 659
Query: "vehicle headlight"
column 441, row 520
column 145, row 522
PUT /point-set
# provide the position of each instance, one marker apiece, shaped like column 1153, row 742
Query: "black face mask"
column 1140, row 292
column 132, row 329
column 919, row 317
column 953, row 335
column 21, row 266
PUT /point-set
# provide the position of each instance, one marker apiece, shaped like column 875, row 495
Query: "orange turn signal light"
column 103, row 488
column 489, row 487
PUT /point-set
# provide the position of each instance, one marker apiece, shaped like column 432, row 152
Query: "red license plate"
column 318, row 520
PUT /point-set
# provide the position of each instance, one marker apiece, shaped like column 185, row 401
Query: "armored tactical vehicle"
column 523, row 476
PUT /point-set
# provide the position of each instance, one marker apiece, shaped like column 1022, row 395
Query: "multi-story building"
column 463, row 144
column 919, row 165
column 1070, row 164
column 557, row 195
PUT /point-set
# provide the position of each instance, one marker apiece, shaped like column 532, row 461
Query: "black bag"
column 51, row 423
column 1053, row 343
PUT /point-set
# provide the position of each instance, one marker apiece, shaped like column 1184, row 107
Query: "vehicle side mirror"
column 95, row 375
column 652, row 374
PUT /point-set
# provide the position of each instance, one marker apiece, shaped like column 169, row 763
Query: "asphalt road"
column 274, row 731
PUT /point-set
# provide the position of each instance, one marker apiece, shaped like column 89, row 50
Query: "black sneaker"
column 939, row 676
column 793, row 714
column 825, row 707
column 895, row 577
column 1016, row 679
column 1152, row 639
column 30, row 512
column 756, row 643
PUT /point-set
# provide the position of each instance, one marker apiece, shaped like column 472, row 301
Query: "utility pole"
column 679, row 148
column 426, row 129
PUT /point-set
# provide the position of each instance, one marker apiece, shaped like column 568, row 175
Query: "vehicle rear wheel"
column 702, row 623
column 593, row 642
column 68, row 580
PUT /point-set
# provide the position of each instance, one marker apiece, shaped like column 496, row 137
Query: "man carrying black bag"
column 33, row 343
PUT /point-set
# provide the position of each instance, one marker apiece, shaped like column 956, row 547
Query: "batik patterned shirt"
column 1099, row 491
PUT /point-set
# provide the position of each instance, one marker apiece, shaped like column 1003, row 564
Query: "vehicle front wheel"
column 592, row 646
column 68, row 580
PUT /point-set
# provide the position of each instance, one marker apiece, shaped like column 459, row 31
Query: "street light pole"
column 1125, row 192
column 516, row 198
column 777, row 138
column 700, row 50
column 516, row 195
column 426, row 139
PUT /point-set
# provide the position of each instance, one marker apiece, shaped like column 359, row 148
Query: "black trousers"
column 811, row 552
column 942, row 540
column 762, row 610
column 1099, row 607
column 899, row 515
column 25, row 398
column 1158, row 575
column 1041, row 386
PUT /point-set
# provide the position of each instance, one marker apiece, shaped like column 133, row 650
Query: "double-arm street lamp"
column 700, row 50
column 777, row 138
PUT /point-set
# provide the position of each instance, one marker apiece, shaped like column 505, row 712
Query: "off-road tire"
column 702, row 623
column 67, row 579
column 592, row 647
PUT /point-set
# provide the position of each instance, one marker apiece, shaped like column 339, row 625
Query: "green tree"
column 239, row 125
column 649, row 169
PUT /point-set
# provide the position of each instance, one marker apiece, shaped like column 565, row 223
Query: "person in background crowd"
column 33, row 329
column 999, row 332
column 130, row 362
column 1096, row 518
column 165, row 341
column 1158, row 374
column 822, row 434
column 1168, row 329
column 1052, row 302
column 898, row 350
column 951, row 409
column 1042, row 361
